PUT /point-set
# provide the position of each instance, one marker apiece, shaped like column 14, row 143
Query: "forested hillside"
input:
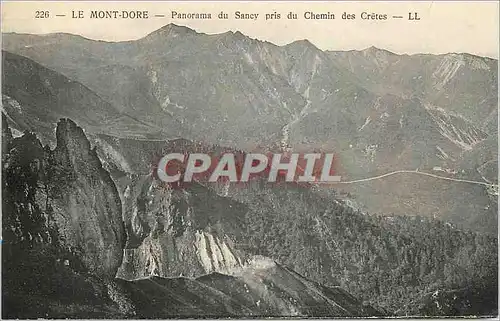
column 391, row 262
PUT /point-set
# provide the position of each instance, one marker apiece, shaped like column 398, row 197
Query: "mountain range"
column 84, row 121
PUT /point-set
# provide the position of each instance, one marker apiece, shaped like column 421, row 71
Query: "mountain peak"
column 303, row 43
column 233, row 34
column 372, row 50
column 172, row 30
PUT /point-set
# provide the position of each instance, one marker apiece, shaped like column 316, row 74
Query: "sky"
column 444, row 26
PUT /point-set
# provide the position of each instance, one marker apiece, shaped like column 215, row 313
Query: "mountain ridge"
column 176, row 26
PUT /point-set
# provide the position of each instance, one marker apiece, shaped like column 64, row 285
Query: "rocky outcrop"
column 63, row 198
column 179, row 232
column 91, row 203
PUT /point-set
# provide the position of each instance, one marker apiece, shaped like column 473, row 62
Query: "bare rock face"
column 89, row 213
column 174, row 232
column 62, row 199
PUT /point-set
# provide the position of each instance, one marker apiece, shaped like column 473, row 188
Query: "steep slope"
column 221, row 83
column 260, row 288
column 64, row 236
column 34, row 98
column 460, row 83
column 329, row 242
column 186, row 232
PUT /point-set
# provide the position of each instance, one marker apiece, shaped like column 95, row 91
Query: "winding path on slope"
column 412, row 172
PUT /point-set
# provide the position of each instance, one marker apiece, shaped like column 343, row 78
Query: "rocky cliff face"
column 188, row 232
column 91, row 202
column 64, row 197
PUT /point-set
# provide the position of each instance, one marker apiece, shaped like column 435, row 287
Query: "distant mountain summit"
column 170, row 31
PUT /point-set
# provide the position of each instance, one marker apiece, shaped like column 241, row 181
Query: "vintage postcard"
column 249, row 159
